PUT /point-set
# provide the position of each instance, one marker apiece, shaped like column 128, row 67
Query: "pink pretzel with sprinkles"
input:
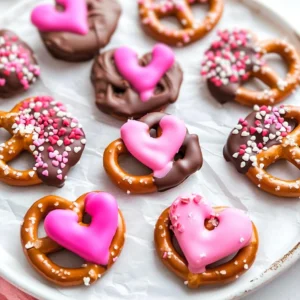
column 236, row 56
column 44, row 128
column 151, row 11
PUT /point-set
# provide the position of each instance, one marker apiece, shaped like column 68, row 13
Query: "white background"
column 287, row 286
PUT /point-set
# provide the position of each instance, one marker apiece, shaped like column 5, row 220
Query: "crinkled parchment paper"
column 138, row 273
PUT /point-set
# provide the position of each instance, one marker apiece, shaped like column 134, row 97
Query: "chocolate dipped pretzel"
column 172, row 156
column 236, row 56
column 264, row 137
column 130, row 87
column 152, row 11
column 191, row 235
column 45, row 129
column 19, row 68
column 99, row 242
column 76, row 30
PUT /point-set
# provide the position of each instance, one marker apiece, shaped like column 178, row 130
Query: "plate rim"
column 273, row 271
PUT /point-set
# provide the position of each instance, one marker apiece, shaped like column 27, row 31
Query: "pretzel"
column 121, row 81
column 236, row 57
column 194, row 269
column 152, row 11
column 173, row 156
column 37, row 250
column 75, row 31
column 279, row 141
column 43, row 128
column 19, row 66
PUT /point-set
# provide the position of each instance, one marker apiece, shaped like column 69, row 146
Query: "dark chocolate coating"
column 73, row 157
column 235, row 140
column 227, row 93
column 189, row 158
column 103, row 17
column 115, row 96
column 13, row 86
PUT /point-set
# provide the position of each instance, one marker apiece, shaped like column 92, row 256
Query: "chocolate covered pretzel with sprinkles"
column 265, row 136
column 236, row 56
column 44, row 128
column 18, row 65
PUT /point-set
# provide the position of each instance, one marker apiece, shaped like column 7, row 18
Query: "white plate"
column 139, row 274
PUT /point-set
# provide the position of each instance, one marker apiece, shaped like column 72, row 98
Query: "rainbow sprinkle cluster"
column 228, row 61
column 15, row 58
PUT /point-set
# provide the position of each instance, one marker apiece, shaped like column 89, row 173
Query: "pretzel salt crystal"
column 236, row 56
column 174, row 259
column 37, row 250
column 151, row 12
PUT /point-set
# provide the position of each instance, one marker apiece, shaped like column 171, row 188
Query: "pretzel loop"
column 279, row 88
column 221, row 274
column 126, row 181
column 288, row 150
column 11, row 149
column 37, row 249
column 151, row 13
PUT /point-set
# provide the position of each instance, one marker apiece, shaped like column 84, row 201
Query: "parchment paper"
column 139, row 273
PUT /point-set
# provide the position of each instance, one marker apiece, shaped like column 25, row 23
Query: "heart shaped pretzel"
column 173, row 155
column 42, row 127
column 151, row 11
column 264, row 137
column 77, row 235
column 236, row 56
column 190, row 235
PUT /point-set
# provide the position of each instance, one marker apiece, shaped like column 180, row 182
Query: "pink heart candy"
column 89, row 242
column 201, row 246
column 55, row 163
column 73, row 19
column 144, row 79
column 155, row 153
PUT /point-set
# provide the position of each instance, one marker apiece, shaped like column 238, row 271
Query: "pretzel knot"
column 42, row 127
column 173, row 258
column 236, row 57
column 277, row 137
column 151, row 11
column 9, row 150
column 37, row 250
column 184, row 160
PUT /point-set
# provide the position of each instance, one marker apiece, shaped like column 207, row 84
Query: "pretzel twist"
column 151, row 13
column 288, row 150
column 234, row 268
column 189, row 160
column 11, row 149
column 37, row 250
column 279, row 88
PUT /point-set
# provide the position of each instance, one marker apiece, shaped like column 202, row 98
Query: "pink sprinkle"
column 45, row 173
column 55, row 163
column 2, row 82
column 252, row 130
column 59, row 177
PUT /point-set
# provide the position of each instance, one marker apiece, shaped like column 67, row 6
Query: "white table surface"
column 285, row 287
